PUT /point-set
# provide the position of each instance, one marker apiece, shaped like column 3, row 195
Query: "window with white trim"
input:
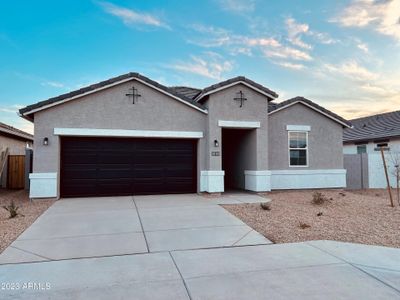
column 298, row 148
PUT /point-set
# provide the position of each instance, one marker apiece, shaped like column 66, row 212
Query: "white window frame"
column 306, row 148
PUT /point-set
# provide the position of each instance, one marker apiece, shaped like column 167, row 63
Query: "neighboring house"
column 131, row 135
column 367, row 136
column 16, row 141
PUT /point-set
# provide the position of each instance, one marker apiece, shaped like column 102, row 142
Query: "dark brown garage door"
column 116, row 166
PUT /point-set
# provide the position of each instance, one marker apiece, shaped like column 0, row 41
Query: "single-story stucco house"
column 131, row 135
column 371, row 133
column 16, row 141
column 362, row 146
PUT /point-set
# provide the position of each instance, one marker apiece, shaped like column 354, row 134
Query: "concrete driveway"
column 182, row 247
column 314, row 270
column 97, row 227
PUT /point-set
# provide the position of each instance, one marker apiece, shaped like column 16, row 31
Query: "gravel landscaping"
column 10, row 229
column 357, row 216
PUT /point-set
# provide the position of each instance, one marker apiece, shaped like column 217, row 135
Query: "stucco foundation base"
column 308, row 179
column 257, row 180
column 212, row 181
column 43, row 185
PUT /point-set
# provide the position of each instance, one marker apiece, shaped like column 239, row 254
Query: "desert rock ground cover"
column 349, row 216
column 10, row 229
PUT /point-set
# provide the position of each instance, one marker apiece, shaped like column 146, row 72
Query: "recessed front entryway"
column 238, row 154
column 125, row 166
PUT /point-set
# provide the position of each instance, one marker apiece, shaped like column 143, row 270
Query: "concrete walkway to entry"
column 97, row 227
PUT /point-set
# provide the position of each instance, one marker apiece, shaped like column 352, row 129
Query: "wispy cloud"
column 295, row 30
column 238, row 6
column 382, row 16
column 363, row 47
column 286, row 52
column 131, row 17
column 289, row 65
column 353, row 70
column 54, row 84
column 211, row 65
column 11, row 108
column 11, row 118
column 240, row 44
column 210, row 36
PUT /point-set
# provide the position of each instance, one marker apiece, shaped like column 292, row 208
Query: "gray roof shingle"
column 233, row 80
column 186, row 91
column 275, row 106
column 105, row 83
column 374, row 127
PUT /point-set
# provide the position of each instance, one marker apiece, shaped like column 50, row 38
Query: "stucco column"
column 212, row 179
column 258, row 179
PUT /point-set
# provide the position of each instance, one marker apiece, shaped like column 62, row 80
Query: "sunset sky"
column 344, row 55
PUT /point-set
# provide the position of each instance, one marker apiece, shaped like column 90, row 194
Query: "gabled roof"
column 275, row 107
column 12, row 131
column 186, row 91
column 233, row 81
column 29, row 110
column 374, row 127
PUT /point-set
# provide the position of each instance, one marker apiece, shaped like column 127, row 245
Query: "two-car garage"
column 127, row 166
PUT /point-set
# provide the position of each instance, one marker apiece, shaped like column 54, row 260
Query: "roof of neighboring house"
column 274, row 107
column 374, row 127
column 115, row 80
column 236, row 80
column 12, row 131
column 186, row 91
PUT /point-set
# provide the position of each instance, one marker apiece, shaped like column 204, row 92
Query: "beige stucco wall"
column 16, row 147
column 222, row 107
column 325, row 148
column 112, row 109
column 266, row 148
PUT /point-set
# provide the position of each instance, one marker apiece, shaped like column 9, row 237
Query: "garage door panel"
column 113, row 187
column 151, row 158
column 179, row 160
column 81, row 187
column 186, row 173
column 80, row 157
column 114, row 173
column 114, row 157
column 114, row 166
column 81, row 174
column 83, row 145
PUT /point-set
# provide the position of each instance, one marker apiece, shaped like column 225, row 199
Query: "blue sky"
column 345, row 55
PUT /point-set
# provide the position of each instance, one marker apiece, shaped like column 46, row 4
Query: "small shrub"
column 319, row 198
column 342, row 194
column 304, row 225
column 12, row 209
column 319, row 214
column 265, row 205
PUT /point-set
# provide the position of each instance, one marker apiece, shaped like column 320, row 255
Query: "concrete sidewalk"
column 314, row 270
column 98, row 227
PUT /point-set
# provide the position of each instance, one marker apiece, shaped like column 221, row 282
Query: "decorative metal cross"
column 240, row 98
column 134, row 94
